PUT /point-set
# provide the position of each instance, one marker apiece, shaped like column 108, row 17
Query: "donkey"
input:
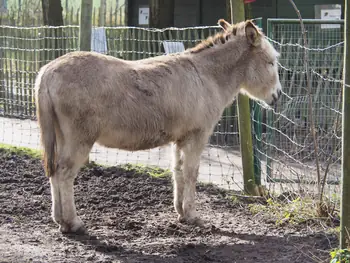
column 84, row 98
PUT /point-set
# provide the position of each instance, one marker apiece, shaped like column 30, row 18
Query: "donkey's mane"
column 217, row 39
column 220, row 38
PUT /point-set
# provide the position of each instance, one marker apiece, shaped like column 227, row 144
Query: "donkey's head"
column 259, row 61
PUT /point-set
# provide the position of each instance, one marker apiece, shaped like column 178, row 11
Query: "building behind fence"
column 283, row 146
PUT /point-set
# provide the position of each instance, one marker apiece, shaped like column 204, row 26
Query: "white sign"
column 331, row 14
column 99, row 40
column 143, row 15
column 173, row 47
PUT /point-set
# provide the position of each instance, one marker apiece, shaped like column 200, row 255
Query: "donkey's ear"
column 224, row 24
column 252, row 33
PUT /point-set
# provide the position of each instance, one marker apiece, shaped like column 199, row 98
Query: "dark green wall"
column 186, row 13
column 207, row 12
column 212, row 11
column 307, row 8
column 265, row 9
column 133, row 11
column 283, row 9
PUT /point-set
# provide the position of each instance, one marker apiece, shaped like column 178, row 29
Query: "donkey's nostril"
column 279, row 92
column 275, row 98
column 272, row 103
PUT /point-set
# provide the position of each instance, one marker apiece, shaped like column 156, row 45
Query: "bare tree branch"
column 311, row 117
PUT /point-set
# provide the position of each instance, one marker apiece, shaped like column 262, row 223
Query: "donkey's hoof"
column 191, row 220
column 81, row 230
column 76, row 227
column 66, row 229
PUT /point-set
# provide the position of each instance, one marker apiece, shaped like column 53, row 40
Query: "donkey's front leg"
column 178, row 180
column 191, row 159
column 188, row 204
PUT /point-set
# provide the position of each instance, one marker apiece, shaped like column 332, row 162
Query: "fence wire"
column 283, row 147
column 287, row 150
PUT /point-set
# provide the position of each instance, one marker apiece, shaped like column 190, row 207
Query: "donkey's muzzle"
column 275, row 97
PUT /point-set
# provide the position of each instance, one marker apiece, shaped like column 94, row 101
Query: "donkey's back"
column 124, row 104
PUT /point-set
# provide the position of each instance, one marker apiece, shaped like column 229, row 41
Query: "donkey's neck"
column 223, row 66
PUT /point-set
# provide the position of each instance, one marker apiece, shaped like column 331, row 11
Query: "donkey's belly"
column 135, row 142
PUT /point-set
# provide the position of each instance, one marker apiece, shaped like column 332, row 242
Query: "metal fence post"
column 2, row 72
column 345, row 204
column 269, row 122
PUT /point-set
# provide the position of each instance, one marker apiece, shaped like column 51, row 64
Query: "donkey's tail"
column 47, row 119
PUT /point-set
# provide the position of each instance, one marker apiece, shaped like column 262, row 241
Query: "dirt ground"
column 130, row 218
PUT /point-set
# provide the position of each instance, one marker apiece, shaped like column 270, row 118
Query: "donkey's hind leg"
column 70, row 158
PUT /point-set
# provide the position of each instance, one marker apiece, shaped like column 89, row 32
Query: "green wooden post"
column 102, row 13
column 245, row 131
column 85, row 28
column 85, row 25
column 345, row 204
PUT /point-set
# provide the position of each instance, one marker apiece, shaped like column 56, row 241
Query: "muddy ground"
column 130, row 218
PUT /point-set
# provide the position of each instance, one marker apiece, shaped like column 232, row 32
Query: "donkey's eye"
column 271, row 63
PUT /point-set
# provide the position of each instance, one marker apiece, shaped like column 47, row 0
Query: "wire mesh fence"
column 25, row 49
column 283, row 142
column 287, row 145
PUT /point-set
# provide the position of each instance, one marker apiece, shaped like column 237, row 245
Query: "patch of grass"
column 93, row 164
column 333, row 231
column 340, row 256
column 294, row 212
column 22, row 151
column 138, row 168
column 153, row 171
